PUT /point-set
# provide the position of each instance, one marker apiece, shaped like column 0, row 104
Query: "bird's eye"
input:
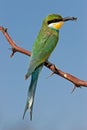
column 53, row 21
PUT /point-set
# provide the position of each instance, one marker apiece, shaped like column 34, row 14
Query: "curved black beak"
column 69, row 18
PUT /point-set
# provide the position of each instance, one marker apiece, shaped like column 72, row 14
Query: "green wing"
column 42, row 48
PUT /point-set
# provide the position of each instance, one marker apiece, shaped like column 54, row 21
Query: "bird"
column 43, row 46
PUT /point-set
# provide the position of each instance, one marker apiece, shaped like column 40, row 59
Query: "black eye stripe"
column 54, row 20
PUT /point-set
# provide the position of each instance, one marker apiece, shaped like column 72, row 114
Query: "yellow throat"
column 56, row 25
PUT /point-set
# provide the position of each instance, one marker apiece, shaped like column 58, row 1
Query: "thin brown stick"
column 76, row 81
column 15, row 48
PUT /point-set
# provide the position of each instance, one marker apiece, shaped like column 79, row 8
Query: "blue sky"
column 54, row 107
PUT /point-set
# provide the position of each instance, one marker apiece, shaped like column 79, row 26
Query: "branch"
column 15, row 48
column 76, row 81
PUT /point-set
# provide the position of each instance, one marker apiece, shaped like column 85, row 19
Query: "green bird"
column 44, row 45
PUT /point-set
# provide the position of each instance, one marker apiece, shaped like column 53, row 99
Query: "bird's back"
column 43, row 47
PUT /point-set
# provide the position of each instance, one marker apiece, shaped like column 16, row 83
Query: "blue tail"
column 31, row 91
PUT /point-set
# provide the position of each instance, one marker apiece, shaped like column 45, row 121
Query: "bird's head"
column 56, row 21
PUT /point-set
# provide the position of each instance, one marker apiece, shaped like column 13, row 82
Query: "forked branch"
column 76, row 81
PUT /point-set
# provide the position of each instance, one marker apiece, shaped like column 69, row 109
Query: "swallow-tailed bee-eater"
column 44, row 45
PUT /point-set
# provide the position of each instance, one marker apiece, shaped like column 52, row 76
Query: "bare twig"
column 76, row 81
column 15, row 48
